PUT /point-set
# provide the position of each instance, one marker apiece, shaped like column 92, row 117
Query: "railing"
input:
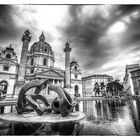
column 99, row 98
column 8, row 102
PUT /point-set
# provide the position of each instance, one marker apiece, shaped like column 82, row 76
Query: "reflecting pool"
column 120, row 117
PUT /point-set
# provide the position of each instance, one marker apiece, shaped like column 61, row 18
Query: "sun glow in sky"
column 118, row 27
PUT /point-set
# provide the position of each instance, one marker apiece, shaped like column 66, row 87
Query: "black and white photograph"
column 69, row 69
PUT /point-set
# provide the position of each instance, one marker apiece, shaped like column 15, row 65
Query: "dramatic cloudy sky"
column 104, row 38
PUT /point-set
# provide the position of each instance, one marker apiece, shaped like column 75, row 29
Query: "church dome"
column 41, row 46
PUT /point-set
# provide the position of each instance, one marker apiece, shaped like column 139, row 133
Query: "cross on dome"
column 42, row 37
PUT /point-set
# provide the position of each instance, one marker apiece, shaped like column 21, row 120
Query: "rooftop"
column 97, row 75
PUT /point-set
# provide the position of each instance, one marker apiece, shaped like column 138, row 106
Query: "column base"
column 68, row 86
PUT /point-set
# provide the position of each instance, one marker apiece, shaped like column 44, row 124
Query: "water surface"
column 119, row 117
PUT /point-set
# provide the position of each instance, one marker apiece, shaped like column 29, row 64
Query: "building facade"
column 37, row 63
column 135, row 75
column 8, row 72
column 76, row 76
column 89, row 82
column 127, row 81
column 40, row 63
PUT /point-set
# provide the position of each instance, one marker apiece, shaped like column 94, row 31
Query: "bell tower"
column 76, row 79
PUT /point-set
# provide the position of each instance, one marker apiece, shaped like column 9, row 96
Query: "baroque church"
column 36, row 63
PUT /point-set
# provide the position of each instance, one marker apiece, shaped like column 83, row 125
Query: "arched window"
column 44, row 61
column 32, row 61
column 76, row 88
column 137, row 93
column 45, row 50
column 76, row 76
column 3, row 90
column 75, row 67
column 8, row 56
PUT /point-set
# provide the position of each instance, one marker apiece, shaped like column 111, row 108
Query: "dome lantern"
column 42, row 37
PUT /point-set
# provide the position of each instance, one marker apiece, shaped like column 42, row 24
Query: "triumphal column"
column 67, row 81
column 23, row 60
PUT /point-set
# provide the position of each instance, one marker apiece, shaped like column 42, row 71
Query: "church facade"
column 36, row 63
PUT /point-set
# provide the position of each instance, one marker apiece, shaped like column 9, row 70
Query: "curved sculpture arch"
column 62, row 104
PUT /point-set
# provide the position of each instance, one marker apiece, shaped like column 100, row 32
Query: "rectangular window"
column 139, row 82
column 75, row 76
column 32, row 70
column 5, row 68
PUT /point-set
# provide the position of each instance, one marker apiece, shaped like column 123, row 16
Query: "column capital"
column 26, row 36
column 67, row 48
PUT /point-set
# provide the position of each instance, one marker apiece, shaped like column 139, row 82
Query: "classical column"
column 62, row 83
column 67, row 80
column 57, row 82
column 53, row 82
column 102, row 111
column 22, row 67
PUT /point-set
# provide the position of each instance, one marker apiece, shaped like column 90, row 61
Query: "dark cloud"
column 89, row 31
column 122, row 10
column 132, row 34
column 8, row 29
column 13, row 23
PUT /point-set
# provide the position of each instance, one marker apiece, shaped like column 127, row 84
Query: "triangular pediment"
column 50, row 72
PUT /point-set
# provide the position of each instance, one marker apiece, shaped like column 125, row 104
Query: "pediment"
column 50, row 72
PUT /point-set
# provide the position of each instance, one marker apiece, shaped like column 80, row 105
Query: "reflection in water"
column 104, row 110
column 135, row 113
column 118, row 117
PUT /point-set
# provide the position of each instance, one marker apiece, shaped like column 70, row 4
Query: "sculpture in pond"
column 28, row 102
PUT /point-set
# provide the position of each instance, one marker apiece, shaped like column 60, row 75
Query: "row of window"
column 44, row 61
column 44, row 50
column 136, row 73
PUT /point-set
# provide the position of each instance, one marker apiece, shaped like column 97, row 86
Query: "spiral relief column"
column 67, row 50
column 23, row 60
column 22, row 68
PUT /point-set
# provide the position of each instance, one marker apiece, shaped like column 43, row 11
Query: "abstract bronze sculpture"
column 28, row 102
